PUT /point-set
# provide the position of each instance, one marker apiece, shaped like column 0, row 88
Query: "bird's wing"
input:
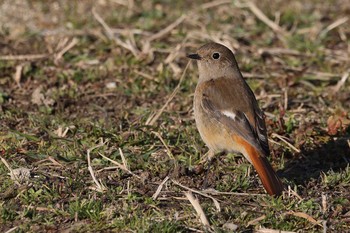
column 236, row 108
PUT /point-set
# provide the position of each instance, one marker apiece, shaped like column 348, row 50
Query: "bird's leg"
column 208, row 157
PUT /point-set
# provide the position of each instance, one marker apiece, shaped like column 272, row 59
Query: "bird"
column 227, row 114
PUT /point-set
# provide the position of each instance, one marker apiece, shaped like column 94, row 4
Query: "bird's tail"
column 268, row 176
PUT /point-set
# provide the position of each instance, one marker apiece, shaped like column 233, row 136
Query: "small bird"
column 227, row 114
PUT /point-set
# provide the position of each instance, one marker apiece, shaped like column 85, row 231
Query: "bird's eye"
column 216, row 55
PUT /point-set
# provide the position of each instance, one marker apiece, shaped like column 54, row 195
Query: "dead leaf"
column 337, row 123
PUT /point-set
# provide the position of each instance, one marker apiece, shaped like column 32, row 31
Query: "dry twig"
column 170, row 154
column 100, row 186
column 333, row 25
column 153, row 118
column 198, row 208
column 340, row 83
column 281, row 33
column 167, row 29
column 282, row 138
column 12, row 174
column 127, row 45
column 120, row 166
column 216, row 202
column 305, row 216
column 266, row 230
column 160, row 187
column 24, row 57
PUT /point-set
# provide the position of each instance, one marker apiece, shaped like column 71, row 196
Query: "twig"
column 215, row 192
column 123, row 159
column 256, row 221
column 292, row 192
column 100, row 187
column 17, row 76
column 324, row 203
column 11, row 230
column 153, row 118
column 59, row 55
column 127, row 45
column 167, row 30
column 285, row 141
column 160, row 187
column 267, row 230
column 147, row 76
column 333, row 25
column 216, row 202
column 198, row 208
column 305, row 216
column 12, row 174
column 260, row 15
column 170, row 154
column 212, row 4
column 24, row 57
column 283, row 51
column 120, row 166
column 285, row 98
column 341, row 82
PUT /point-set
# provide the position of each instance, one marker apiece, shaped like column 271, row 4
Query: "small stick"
column 267, row 230
column 304, row 216
column 292, row 192
column 151, row 120
column 170, row 154
column 100, row 187
column 17, row 76
column 260, row 15
column 59, row 55
column 123, row 159
column 333, row 25
column 12, row 229
column 212, row 4
column 127, row 45
column 120, row 166
column 167, row 30
column 198, row 208
column 159, row 189
column 340, row 83
column 12, row 174
column 216, row 202
column 215, row 192
column 23, row 57
column 285, row 141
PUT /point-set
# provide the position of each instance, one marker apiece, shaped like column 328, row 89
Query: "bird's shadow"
column 333, row 155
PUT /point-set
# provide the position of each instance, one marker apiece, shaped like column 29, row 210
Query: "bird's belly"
column 216, row 136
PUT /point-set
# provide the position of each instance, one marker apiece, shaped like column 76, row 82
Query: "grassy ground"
column 92, row 83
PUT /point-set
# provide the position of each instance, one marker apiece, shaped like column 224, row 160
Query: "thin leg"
column 209, row 155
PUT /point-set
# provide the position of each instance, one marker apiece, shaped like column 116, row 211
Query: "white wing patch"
column 229, row 114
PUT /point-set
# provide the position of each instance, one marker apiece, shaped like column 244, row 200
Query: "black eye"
column 216, row 55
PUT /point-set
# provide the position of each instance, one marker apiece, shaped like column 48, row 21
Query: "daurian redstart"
column 227, row 114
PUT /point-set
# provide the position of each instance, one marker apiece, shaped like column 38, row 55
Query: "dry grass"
column 97, row 132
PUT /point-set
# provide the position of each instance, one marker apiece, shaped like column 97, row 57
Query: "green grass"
column 60, row 194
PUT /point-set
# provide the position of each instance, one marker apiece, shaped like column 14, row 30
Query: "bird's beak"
column 194, row 56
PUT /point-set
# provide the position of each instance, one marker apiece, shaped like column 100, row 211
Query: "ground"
column 96, row 112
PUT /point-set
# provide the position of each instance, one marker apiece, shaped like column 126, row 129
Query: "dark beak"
column 194, row 56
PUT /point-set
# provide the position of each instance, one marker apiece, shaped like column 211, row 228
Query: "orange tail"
column 268, row 176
